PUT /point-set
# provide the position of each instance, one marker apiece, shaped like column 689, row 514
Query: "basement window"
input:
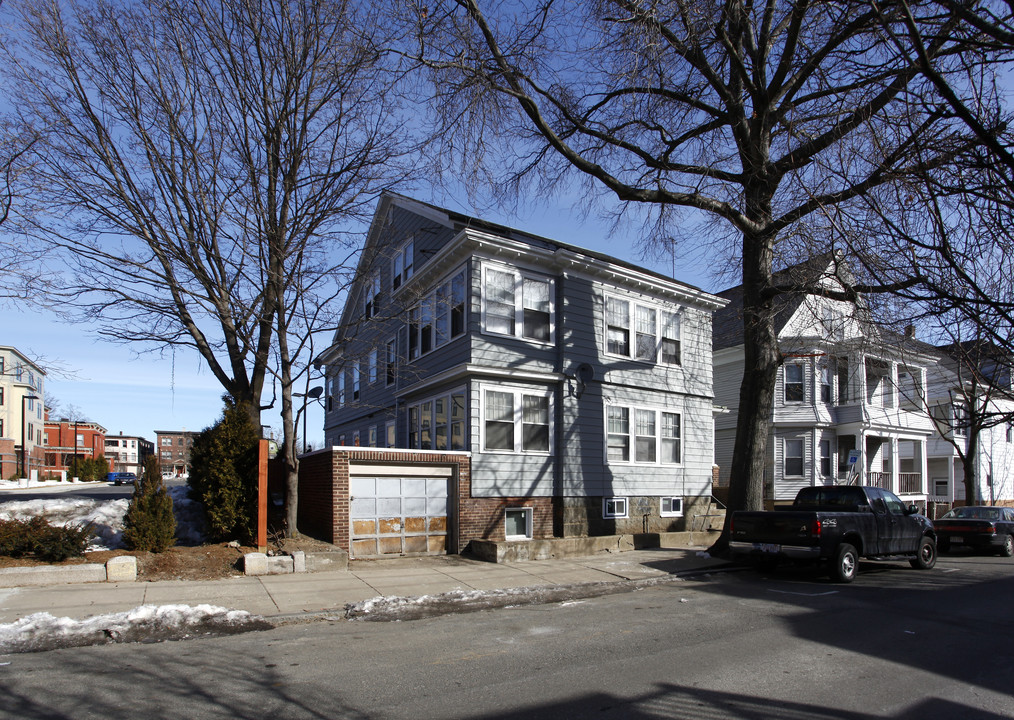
column 671, row 507
column 518, row 523
column 614, row 508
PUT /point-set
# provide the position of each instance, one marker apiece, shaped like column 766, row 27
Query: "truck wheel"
column 1007, row 549
column 845, row 564
column 927, row 555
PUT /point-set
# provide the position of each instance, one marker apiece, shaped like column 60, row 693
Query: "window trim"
column 422, row 327
column 527, row 512
column 519, row 393
column 668, row 326
column 670, row 513
column 632, row 436
column 785, row 457
column 415, row 431
column 616, row 514
column 802, row 383
column 403, row 264
column 520, row 275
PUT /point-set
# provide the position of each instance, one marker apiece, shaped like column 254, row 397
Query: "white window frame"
column 785, row 382
column 519, row 393
column 614, row 508
column 666, row 325
column 390, row 434
column 675, row 506
column 829, row 457
column 371, row 295
column 519, row 301
column 432, row 318
column 632, row 436
column 527, row 512
column 429, row 405
column 371, row 367
column 785, row 457
column 403, row 264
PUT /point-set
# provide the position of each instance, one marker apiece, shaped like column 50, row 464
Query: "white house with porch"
column 850, row 400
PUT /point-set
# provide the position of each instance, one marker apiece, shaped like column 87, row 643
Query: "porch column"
column 923, row 466
column 895, row 467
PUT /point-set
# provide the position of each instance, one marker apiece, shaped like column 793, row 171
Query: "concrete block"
column 121, row 569
column 255, row 564
column 327, row 561
column 299, row 561
column 279, row 565
column 52, row 575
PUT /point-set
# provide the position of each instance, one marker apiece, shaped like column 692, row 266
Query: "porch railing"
column 909, row 483
column 879, row 479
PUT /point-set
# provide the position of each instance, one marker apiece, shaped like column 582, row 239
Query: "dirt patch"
column 200, row 562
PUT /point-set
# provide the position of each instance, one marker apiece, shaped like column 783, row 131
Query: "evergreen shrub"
column 223, row 474
column 150, row 523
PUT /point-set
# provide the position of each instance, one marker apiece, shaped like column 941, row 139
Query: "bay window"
column 642, row 331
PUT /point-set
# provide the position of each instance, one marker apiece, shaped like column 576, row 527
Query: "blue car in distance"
column 121, row 478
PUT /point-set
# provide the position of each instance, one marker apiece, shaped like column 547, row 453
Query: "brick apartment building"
column 66, row 439
column 173, row 447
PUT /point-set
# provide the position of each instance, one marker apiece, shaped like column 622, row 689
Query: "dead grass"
column 201, row 562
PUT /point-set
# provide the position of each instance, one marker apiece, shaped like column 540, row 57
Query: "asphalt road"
column 88, row 491
column 898, row 643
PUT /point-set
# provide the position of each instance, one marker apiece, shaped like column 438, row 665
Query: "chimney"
column 910, row 332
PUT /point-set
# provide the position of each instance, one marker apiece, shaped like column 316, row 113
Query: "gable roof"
column 728, row 322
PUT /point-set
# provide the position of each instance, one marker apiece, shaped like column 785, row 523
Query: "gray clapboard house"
column 580, row 385
column 846, row 389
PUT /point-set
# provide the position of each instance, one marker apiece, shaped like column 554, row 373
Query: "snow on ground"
column 105, row 516
column 145, row 623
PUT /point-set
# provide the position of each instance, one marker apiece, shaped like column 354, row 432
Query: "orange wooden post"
column 262, row 496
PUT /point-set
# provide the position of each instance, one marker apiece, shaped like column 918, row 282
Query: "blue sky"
column 137, row 394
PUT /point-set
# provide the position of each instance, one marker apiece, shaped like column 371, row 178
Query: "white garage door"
column 398, row 516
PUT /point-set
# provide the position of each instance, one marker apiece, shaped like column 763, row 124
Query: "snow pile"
column 146, row 623
column 106, row 516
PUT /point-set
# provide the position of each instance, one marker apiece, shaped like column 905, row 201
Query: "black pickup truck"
column 836, row 525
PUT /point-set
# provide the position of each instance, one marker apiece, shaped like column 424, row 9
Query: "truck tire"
column 844, row 564
column 926, row 556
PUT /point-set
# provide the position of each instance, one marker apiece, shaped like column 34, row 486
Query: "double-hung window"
column 643, row 435
column 669, row 347
column 391, row 361
column 794, row 391
column 371, row 366
column 516, row 420
column 794, row 458
column 518, row 304
column 617, row 326
column 642, row 331
column 825, row 383
column 371, row 295
column 355, row 382
column 403, row 264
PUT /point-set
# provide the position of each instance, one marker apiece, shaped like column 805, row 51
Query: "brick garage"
column 324, row 501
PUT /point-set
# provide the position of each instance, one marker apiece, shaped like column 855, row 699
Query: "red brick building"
column 66, row 439
column 173, row 448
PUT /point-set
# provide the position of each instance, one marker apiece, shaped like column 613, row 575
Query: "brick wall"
column 324, row 496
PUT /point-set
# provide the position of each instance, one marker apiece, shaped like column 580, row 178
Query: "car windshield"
column 974, row 513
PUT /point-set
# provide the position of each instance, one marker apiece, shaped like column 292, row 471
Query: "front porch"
column 891, row 462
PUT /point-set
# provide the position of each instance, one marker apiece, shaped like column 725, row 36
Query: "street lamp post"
column 24, row 445
column 311, row 394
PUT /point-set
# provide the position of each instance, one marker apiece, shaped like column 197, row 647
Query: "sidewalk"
column 294, row 595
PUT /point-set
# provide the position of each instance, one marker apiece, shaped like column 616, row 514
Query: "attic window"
column 403, row 264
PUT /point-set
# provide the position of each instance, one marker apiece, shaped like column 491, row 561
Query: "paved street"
column 897, row 643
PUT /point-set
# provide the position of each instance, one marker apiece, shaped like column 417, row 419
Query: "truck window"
column 878, row 504
column 894, row 505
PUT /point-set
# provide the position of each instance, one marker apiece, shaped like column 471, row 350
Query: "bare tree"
column 760, row 115
column 201, row 165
